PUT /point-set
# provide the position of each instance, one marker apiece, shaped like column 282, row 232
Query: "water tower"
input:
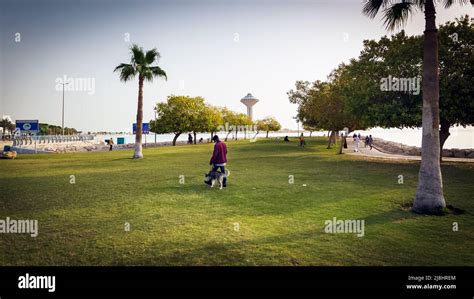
column 249, row 100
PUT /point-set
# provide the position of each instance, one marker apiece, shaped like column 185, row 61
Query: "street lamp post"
column 298, row 124
column 62, row 126
column 155, row 124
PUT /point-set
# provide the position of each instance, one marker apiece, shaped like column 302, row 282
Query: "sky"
column 220, row 50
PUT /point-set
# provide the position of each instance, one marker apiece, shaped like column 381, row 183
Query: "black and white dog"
column 212, row 177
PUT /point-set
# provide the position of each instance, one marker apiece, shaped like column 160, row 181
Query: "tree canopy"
column 269, row 124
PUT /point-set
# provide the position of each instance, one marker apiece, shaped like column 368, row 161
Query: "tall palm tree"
column 429, row 197
column 141, row 65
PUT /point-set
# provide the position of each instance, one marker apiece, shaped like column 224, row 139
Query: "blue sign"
column 28, row 126
column 145, row 128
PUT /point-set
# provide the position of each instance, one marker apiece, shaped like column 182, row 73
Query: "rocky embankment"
column 391, row 147
column 83, row 147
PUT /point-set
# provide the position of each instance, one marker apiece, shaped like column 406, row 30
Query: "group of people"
column 368, row 141
column 190, row 139
column 219, row 154
column 300, row 139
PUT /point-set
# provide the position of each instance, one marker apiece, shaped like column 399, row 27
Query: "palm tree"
column 429, row 197
column 6, row 124
column 141, row 65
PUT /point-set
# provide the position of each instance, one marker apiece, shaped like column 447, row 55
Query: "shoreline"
column 376, row 154
column 83, row 147
column 383, row 148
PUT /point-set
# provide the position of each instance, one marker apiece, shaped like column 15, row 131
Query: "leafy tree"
column 230, row 119
column 212, row 120
column 177, row 115
column 242, row 122
column 429, row 195
column 395, row 57
column 141, row 64
column 206, row 118
column 310, row 129
column 401, row 56
column 268, row 124
column 198, row 120
column 261, row 126
column 456, row 55
column 323, row 105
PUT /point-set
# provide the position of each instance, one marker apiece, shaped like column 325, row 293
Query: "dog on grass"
column 212, row 177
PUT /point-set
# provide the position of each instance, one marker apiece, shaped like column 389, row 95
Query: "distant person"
column 190, row 139
column 219, row 157
column 371, row 141
column 356, row 144
column 286, row 139
column 358, row 136
column 110, row 142
column 366, row 142
column 302, row 142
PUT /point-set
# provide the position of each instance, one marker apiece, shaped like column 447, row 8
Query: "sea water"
column 460, row 137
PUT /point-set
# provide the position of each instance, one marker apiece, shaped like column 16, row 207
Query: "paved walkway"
column 367, row 152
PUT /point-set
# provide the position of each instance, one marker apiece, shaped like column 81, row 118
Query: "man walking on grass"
column 219, row 157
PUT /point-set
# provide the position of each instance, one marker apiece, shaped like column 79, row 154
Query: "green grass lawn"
column 190, row 224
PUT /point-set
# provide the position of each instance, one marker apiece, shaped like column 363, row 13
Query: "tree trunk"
column 236, row 132
column 175, row 138
column 267, row 134
column 343, row 139
column 138, row 137
column 194, row 137
column 443, row 135
column 330, row 133
column 429, row 197
column 310, row 133
column 227, row 136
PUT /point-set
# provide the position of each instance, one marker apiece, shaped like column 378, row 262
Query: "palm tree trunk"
column 429, row 197
column 138, row 137
column 443, row 136
column 194, row 137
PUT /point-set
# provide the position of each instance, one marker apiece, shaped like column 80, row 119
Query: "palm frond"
column 138, row 55
column 448, row 3
column 141, row 65
column 152, row 56
column 121, row 66
column 146, row 74
column 372, row 7
column 397, row 14
column 127, row 71
column 158, row 72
